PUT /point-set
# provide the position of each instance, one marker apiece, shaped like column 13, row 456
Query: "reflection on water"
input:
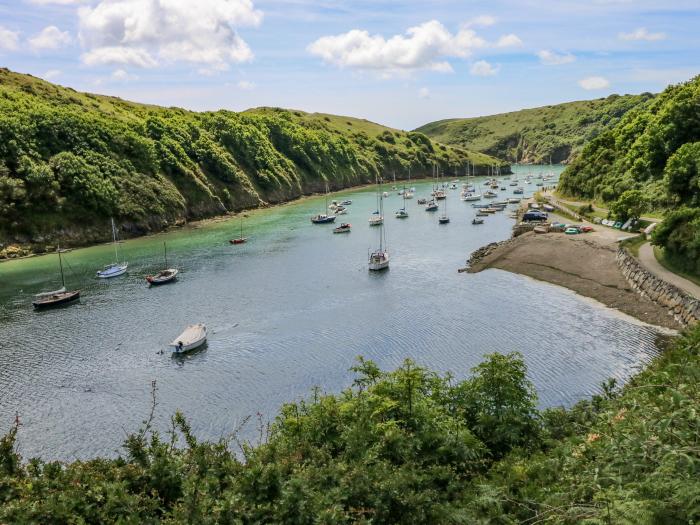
column 290, row 309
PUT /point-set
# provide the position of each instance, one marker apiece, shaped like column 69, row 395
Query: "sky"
column 401, row 63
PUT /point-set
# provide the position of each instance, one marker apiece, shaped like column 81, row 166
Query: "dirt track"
column 584, row 263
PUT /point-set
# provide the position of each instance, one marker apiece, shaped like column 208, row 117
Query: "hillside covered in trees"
column 408, row 446
column 536, row 135
column 650, row 161
column 69, row 161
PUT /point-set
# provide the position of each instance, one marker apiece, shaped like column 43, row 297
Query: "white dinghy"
column 193, row 337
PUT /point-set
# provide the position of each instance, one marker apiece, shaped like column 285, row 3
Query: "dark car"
column 533, row 215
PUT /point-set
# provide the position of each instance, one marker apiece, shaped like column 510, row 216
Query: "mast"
column 60, row 264
column 114, row 241
column 165, row 254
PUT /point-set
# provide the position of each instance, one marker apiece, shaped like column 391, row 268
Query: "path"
column 648, row 260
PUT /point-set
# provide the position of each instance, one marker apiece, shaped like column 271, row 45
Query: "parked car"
column 587, row 229
column 572, row 231
column 534, row 215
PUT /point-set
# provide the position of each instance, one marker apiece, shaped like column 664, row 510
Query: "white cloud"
column 510, row 40
column 424, row 92
column 550, row 58
column 121, row 75
column 119, row 55
column 57, row 2
column 642, row 34
column 9, row 40
column 590, row 83
column 50, row 37
column 51, row 74
column 483, row 21
column 423, row 47
column 245, row 85
column 144, row 33
column 483, row 69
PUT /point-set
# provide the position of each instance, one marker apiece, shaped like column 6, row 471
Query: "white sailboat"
column 116, row 268
column 444, row 218
column 379, row 259
column 408, row 194
column 402, row 213
column 377, row 218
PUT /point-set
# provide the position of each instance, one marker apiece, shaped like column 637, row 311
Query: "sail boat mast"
column 114, row 241
column 60, row 264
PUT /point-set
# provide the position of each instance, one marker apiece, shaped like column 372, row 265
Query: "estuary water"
column 287, row 311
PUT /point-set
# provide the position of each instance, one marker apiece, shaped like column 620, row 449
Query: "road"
column 648, row 260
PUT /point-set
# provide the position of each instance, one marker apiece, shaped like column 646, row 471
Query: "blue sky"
column 401, row 63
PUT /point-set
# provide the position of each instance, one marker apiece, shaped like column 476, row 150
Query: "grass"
column 534, row 135
column 634, row 244
column 668, row 264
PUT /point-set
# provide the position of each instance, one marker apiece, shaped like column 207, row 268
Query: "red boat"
column 240, row 239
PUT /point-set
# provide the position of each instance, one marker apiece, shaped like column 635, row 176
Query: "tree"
column 630, row 205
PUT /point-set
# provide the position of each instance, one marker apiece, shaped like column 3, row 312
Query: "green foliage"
column 630, row 205
column 72, row 159
column 679, row 234
column 652, row 155
column 538, row 135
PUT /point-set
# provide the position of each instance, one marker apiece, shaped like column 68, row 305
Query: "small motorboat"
column 163, row 277
column 469, row 197
column 346, row 203
column 440, row 195
column 477, row 221
column 490, row 195
column 518, row 191
column 385, row 194
column 340, row 210
column 513, row 200
column 322, row 218
column 193, row 337
column 343, row 228
column 481, row 213
column 422, row 201
column 431, row 206
column 453, row 186
column 408, row 195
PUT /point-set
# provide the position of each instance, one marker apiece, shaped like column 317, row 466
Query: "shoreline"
column 196, row 223
column 585, row 265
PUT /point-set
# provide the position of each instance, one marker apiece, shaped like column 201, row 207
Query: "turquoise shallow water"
column 290, row 309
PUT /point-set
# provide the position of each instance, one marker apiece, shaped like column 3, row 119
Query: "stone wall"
column 684, row 308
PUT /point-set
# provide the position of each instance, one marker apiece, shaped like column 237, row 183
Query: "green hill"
column 535, row 135
column 650, row 160
column 69, row 161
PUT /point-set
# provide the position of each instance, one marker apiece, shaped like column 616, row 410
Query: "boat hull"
column 240, row 240
column 113, row 271
column 56, row 300
column 192, row 338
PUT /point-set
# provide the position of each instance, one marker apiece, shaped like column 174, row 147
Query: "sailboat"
column 323, row 218
column 240, row 239
column 379, row 259
column 444, row 218
column 377, row 218
column 402, row 213
column 116, row 268
column 408, row 194
column 164, row 276
column 56, row 297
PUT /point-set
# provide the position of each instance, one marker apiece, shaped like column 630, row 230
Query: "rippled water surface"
column 290, row 309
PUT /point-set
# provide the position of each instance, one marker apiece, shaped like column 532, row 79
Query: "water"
column 289, row 310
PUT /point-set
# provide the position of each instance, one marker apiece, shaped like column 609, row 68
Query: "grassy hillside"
column 408, row 446
column 650, row 160
column 69, row 161
column 535, row 135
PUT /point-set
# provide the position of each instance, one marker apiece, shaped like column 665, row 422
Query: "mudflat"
column 584, row 263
